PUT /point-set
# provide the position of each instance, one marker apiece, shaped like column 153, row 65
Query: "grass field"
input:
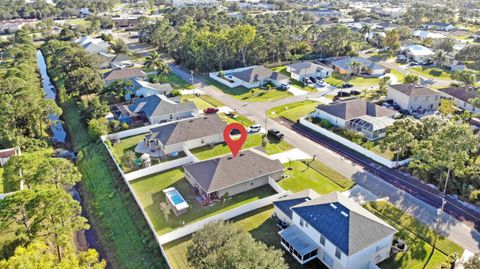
column 258, row 223
column 300, row 177
column 149, row 192
column 251, row 95
column 177, row 82
column 430, row 72
column 253, row 140
column 293, row 111
column 356, row 81
column 418, row 237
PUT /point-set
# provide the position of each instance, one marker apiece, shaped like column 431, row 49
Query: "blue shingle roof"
column 287, row 204
column 328, row 221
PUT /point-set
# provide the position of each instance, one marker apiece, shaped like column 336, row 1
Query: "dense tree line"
column 208, row 39
column 441, row 148
column 40, row 9
column 23, row 109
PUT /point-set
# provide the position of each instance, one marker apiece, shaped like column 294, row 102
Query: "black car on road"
column 275, row 133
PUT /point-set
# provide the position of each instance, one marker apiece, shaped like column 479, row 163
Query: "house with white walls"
column 299, row 71
column 337, row 231
column 462, row 97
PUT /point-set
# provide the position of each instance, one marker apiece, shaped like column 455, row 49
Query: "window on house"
column 301, row 222
column 338, row 253
column 322, row 240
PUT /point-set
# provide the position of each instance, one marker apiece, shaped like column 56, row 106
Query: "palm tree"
column 440, row 57
column 355, row 67
column 366, row 29
column 155, row 62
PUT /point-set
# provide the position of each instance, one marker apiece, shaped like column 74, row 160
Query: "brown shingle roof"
column 5, row 153
column 220, row 173
column 413, row 89
column 462, row 93
column 356, row 108
column 187, row 130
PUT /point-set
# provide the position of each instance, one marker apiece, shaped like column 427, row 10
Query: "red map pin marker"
column 235, row 145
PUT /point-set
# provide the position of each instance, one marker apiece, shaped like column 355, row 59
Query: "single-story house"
column 252, row 77
column 143, row 88
column 154, row 108
column 228, row 175
column 126, row 74
column 441, row 26
column 301, row 70
column 418, row 53
column 414, row 98
column 421, row 34
column 6, row 154
column 358, row 115
column 461, row 97
column 120, row 61
column 188, row 133
column 369, row 68
column 194, row 3
column 337, row 231
column 391, row 12
column 125, row 22
column 93, row 45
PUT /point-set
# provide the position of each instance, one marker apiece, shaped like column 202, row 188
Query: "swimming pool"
column 174, row 197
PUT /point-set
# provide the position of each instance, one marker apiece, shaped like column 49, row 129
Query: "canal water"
column 59, row 137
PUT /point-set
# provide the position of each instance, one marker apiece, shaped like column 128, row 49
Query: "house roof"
column 439, row 24
column 258, row 73
column 345, row 62
column 121, row 58
column 461, row 93
column 220, row 173
column 343, row 222
column 187, row 130
column 6, row 153
column 156, row 105
column 426, row 34
column 306, row 68
column 296, row 238
column 355, row 109
column 413, row 90
column 285, row 203
column 127, row 73
column 419, row 50
column 160, row 87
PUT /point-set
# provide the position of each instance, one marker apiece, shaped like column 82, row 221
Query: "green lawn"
column 199, row 102
column 430, row 72
column 149, row 192
column 300, row 177
column 418, row 238
column 260, row 225
column 251, row 95
column 253, row 140
column 119, row 223
column 334, row 81
column 331, row 174
column 293, row 111
column 399, row 75
column 1, row 180
column 356, row 81
column 177, row 82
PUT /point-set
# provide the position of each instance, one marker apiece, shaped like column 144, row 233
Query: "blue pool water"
column 177, row 199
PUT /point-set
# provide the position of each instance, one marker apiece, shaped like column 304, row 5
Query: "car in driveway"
column 254, row 128
column 314, row 80
column 355, row 92
column 284, row 86
column 343, row 94
column 275, row 133
column 347, row 85
column 210, row 110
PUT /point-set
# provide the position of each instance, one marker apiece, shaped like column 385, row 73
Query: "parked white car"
column 254, row 128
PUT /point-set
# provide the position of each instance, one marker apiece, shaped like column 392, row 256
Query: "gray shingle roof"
column 258, row 73
column 345, row 62
column 285, row 203
column 356, row 108
column 156, row 105
column 187, row 130
column 413, row 90
column 306, row 68
column 461, row 93
column 220, row 173
column 124, row 74
column 351, row 231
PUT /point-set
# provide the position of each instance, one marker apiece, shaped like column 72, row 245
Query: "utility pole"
column 440, row 212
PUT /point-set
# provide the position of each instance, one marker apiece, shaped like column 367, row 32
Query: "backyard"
column 253, row 140
column 251, row 95
column 293, row 111
column 260, row 225
column 417, row 236
column 432, row 72
column 301, row 177
column 149, row 192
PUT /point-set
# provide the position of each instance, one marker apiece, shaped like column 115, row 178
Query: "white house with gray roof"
column 299, row 71
column 414, row 98
column 358, row 115
column 344, row 66
column 250, row 77
column 334, row 229
column 143, row 88
column 188, row 133
column 227, row 175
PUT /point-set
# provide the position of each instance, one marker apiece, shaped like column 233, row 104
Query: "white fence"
column 351, row 145
column 191, row 228
column 275, row 185
column 159, row 168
